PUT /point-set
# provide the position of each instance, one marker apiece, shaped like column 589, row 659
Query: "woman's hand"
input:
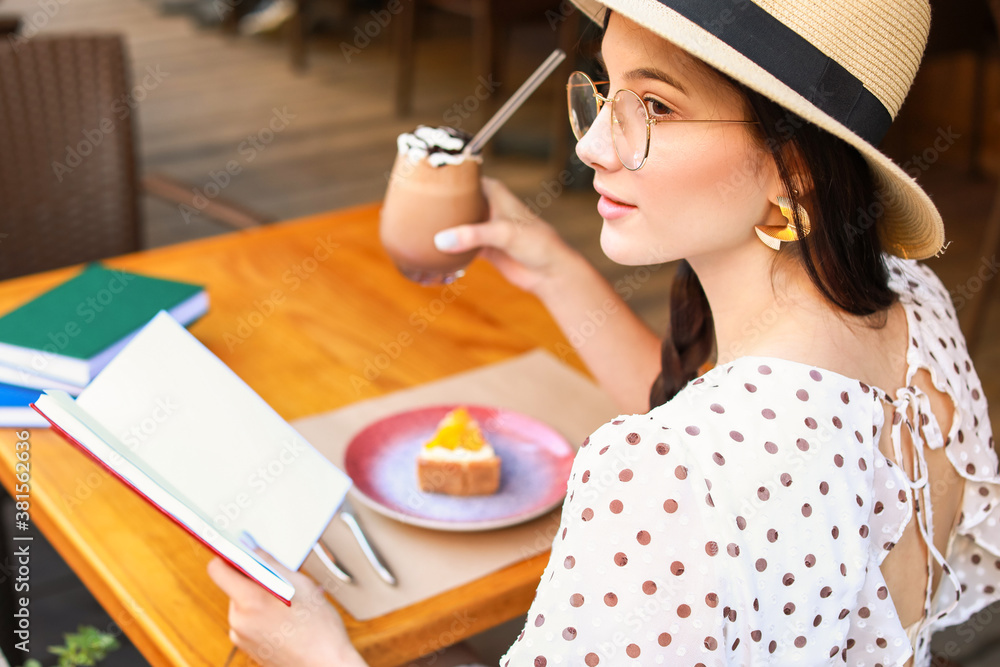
column 308, row 633
column 618, row 348
column 526, row 250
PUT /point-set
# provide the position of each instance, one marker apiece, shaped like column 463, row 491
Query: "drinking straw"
column 514, row 103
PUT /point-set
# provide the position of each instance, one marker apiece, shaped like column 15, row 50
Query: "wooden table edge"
column 501, row 595
column 113, row 598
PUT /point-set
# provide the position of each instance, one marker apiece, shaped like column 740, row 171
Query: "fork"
column 377, row 563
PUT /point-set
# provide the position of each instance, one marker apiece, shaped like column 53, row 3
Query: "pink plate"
column 534, row 465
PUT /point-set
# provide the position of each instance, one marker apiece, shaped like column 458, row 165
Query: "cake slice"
column 458, row 460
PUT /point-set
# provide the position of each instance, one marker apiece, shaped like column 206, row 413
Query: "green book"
column 71, row 332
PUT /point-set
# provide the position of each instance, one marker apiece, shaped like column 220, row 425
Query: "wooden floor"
column 337, row 143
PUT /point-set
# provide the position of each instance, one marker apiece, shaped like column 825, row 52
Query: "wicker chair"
column 69, row 187
column 9, row 23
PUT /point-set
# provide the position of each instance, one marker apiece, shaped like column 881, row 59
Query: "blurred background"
column 245, row 112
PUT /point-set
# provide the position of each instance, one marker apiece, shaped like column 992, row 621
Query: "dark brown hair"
column 842, row 254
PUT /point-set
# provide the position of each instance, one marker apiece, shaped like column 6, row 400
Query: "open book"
column 174, row 423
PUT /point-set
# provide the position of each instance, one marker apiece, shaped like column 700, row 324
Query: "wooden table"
column 297, row 309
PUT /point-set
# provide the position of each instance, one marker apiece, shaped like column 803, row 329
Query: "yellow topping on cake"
column 458, row 430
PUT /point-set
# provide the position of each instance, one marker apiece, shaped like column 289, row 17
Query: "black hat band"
column 793, row 60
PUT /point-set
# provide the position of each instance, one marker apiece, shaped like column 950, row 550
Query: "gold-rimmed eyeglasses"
column 630, row 119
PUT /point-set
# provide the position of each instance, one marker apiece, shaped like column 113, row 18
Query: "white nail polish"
column 445, row 240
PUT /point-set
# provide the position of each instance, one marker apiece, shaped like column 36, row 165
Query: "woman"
column 827, row 493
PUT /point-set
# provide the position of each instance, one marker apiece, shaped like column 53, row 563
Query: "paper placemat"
column 428, row 562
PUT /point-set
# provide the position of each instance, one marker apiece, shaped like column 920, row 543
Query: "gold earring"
column 773, row 237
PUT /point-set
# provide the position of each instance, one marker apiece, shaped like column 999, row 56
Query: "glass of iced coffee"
column 433, row 186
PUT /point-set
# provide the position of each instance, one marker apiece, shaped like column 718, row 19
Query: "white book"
column 19, row 417
column 24, row 378
column 173, row 422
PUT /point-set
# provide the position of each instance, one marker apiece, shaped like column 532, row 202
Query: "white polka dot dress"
column 744, row 522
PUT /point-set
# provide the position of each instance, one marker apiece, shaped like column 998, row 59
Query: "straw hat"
column 844, row 65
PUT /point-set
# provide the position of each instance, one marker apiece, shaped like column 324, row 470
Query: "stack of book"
column 64, row 337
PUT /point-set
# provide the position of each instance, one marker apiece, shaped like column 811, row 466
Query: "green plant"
column 87, row 647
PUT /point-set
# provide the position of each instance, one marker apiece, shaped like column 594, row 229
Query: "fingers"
column 508, row 218
column 299, row 580
column 232, row 582
column 504, row 204
column 273, row 563
column 310, row 632
column 496, row 233
column 240, row 588
column 498, row 193
column 495, row 190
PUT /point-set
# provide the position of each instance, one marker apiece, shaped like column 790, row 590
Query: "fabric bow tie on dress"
column 912, row 407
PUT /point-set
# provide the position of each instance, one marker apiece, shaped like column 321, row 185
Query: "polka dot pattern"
column 780, row 563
